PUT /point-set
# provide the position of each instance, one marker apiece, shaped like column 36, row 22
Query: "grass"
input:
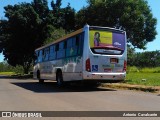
column 143, row 76
column 143, row 70
column 16, row 75
column 149, row 79
column 7, row 73
column 150, row 70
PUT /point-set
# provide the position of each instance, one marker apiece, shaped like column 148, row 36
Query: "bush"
column 150, row 70
column 19, row 70
column 5, row 67
column 132, row 69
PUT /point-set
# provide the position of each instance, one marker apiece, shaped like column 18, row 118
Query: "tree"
column 69, row 18
column 23, row 32
column 131, row 55
column 144, row 59
column 5, row 67
column 133, row 16
column 3, row 33
column 57, row 14
column 62, row 17
column 41, row 8
column 31, row 25
column 54, row 34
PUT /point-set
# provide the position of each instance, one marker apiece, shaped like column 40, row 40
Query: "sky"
column 78, row 4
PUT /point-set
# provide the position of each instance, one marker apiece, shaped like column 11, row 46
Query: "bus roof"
column 61, row 39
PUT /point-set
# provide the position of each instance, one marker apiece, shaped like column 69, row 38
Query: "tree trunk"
column 26, row 68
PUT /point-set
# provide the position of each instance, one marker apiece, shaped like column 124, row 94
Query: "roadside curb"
column 153, row 89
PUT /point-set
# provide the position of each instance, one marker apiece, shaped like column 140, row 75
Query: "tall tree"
column 3, row 33
column 69, row 18
column 62, row 17
column 133, row 16
column 41, row 8
column 57, row 14
column 29, row 26
column 25, row 32
column 54, row 34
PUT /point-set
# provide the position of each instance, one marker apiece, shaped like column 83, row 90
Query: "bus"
column 93, row 53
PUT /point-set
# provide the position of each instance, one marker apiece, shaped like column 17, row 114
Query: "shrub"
column 150, row 70
column 132, row 69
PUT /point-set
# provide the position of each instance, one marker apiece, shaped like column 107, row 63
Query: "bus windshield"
column 108, row 42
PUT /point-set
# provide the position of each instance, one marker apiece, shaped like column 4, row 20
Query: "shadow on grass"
column 47, row 87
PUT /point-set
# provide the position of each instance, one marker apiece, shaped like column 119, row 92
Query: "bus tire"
column 39, row 77
column 59, row 78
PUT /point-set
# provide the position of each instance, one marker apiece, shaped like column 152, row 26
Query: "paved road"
column 29, row 95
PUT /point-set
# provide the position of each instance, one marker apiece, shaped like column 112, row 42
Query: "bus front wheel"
column 59, row 79
column 39, row 77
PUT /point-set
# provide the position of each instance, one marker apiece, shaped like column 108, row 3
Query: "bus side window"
column 69, row 49
column 80, row 47
column 61, row 45
column 61, row 51
column 69, row 43
column 40, row 56
column 52, row 53
column 37, row 53
column 56, row 49
column 36, row 57
column 80, row 41
column 65, row 44
column 46, row 54
column 77, row 40
column 78, row 44
column 43, row 55
column 74, row 46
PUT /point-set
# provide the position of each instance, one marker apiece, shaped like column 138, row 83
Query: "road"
column 29, row 95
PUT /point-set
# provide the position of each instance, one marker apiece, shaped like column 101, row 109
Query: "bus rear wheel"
column 39, row 77
column 59, row 79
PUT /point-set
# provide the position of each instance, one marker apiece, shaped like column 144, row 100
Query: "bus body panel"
column 71, row 69
column 102, row 67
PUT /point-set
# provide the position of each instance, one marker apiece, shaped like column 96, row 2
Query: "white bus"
column 89, row 54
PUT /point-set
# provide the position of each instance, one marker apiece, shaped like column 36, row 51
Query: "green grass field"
column 144, row 76
column 149, row 79
column 7, row 73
